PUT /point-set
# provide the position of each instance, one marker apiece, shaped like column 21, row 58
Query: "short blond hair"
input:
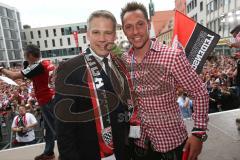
column 102, row 13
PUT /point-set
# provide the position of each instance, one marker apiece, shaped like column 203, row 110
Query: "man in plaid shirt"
column 157, row 71
column 236, row 34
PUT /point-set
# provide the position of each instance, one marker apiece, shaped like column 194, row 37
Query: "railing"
column 8, row 136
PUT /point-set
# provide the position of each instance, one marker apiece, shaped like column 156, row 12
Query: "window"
column 212, row 6
column 61, row 42
column 5, row 23
column 18, row 16
column 78, row 28
column 45, row 42
column 16, row 45
column 194, row 17
column 1, row 44
column 69, row 41
column 7, row 34
column 2, row 55
column 5, row 12
column 31, row 33
column 62, row 31
column 54, row 32
column 38, row 44
column 201, row 6
column 192, row 4
column 12, row 24
column 39, row 34
column 214, row 26
column 84, row 40
column 11, row 55
column 208, row 8
column 219, row 24
column 1, row 11
column 9, row 44
column 23, row 35
column 46, row 31
column 17, row 54
column 80, row 49
column 70, row 30
column 195, row 3
column 9, row 13
column 53, row 42
column 215, row 5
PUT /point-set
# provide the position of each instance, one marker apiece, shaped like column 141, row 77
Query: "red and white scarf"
column 95, row 83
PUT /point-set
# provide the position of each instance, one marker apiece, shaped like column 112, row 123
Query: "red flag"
column 183, row 29
column 75, row 34
column 194, row 39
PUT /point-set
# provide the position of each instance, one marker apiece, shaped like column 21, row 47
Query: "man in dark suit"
column 93, row 98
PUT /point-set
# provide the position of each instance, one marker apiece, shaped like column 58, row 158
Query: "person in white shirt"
column 23, row 124
column 185, row 105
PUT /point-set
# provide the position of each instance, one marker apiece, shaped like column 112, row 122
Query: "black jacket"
column 76, row 134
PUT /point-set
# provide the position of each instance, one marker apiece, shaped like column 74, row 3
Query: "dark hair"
column 235, row 29
column 25, row 64
column 102, row 13
column 133, row 6
column 33, row 50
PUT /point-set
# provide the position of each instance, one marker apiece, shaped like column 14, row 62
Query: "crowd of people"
column 40, row 73
column 220, row 76
column 12, row 97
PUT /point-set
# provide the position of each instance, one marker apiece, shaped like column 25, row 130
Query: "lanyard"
column 133, row 73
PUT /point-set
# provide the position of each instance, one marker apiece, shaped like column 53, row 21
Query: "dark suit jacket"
column 76, row 134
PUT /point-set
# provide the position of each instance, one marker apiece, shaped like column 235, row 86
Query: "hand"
column 212, row 99
column 228, row 43
column 19, row 129
column 194, row 146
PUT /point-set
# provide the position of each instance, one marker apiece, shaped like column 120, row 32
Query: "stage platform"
column 223, row 141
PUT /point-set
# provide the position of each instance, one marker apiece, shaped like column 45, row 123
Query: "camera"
column 22, row 133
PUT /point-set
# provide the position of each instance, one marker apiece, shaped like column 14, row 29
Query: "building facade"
column 222, row 17
column 196, row 9
column 58, row 42
column 163, row 25
column 11, row 39
column 180, row 5
column 166, row 34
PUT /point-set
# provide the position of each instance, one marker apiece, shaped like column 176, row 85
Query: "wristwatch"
column 201, row 137
column 200, row 134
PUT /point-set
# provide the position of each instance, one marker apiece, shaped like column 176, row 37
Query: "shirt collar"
column 155, row 45
column 99, row 57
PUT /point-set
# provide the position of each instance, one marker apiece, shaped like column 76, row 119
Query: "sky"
column 42, row 13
